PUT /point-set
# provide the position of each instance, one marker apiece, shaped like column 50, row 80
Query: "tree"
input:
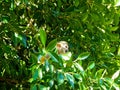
column 30, row 29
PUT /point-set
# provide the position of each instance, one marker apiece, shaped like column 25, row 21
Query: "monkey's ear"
column 58, row 45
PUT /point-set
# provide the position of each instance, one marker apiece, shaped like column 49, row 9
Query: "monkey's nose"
column 66, row 50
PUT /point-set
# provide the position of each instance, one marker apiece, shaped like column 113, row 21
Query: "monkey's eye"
column 66, row 47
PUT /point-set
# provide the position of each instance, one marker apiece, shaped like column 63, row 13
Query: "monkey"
column 62, row 48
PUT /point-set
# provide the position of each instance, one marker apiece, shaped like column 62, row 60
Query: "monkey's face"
column 62, row 47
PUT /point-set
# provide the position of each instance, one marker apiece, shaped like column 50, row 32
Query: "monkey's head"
column 62, row 47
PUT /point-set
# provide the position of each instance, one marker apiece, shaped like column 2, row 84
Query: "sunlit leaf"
column 51, row 68
column 91, row 66
column 51, row 82
column 113, row 28
column 43, row 36
column 116, row 74
column 83, row 56
column 108, row 80
column 79, row 67
column 99, row 73
column 47, row 66
column 40, row 73
column 70, row 79
column 117, row 2
column 42, row 87
column 104, row 87
column 51, row 45
column 116, row 86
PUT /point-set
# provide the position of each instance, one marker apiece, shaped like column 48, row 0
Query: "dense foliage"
column 30, row 29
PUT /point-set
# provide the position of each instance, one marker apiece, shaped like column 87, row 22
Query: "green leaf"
column 60, row 78
column 54, row 56
column 79, row 67
column 84, row 17
column 43, row 36
column 91, row 66
column 116, row 86
column 116, row 19
column 113, row 28
column 70, row 79
column 51, row 82
column 108, row 80
column 116, row 74
column 83, row 56
column 78, row 76
column 98, row 74
column 33, row 87
column 35, row 75
column 40, row 73
column 76, row 3
column 51, row 45
column 101, row 82
column 117, row 2
column 42, row 87
column 47, row 68
column 59, row 3
column 51, row 68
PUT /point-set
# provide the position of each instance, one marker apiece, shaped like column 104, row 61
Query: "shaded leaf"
column 35, row 75
column 60, row 78
column 54, row 56
column 33, row 87
column 76, row 3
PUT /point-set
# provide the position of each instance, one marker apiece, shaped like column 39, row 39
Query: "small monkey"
column 62, row 47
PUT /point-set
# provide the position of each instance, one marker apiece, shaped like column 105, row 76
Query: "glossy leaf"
column 70, row 79
column 116, row 74
column 51, row 45
column 79, row 67
column 35, row 75
column 42, row 87
column 54, row 57
column 51, row 82
column 60, row 78
column 78, row 76
column 91, row 66
column 40, row 73
column 83, row 56
column 76, row 3
column 43, row 36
